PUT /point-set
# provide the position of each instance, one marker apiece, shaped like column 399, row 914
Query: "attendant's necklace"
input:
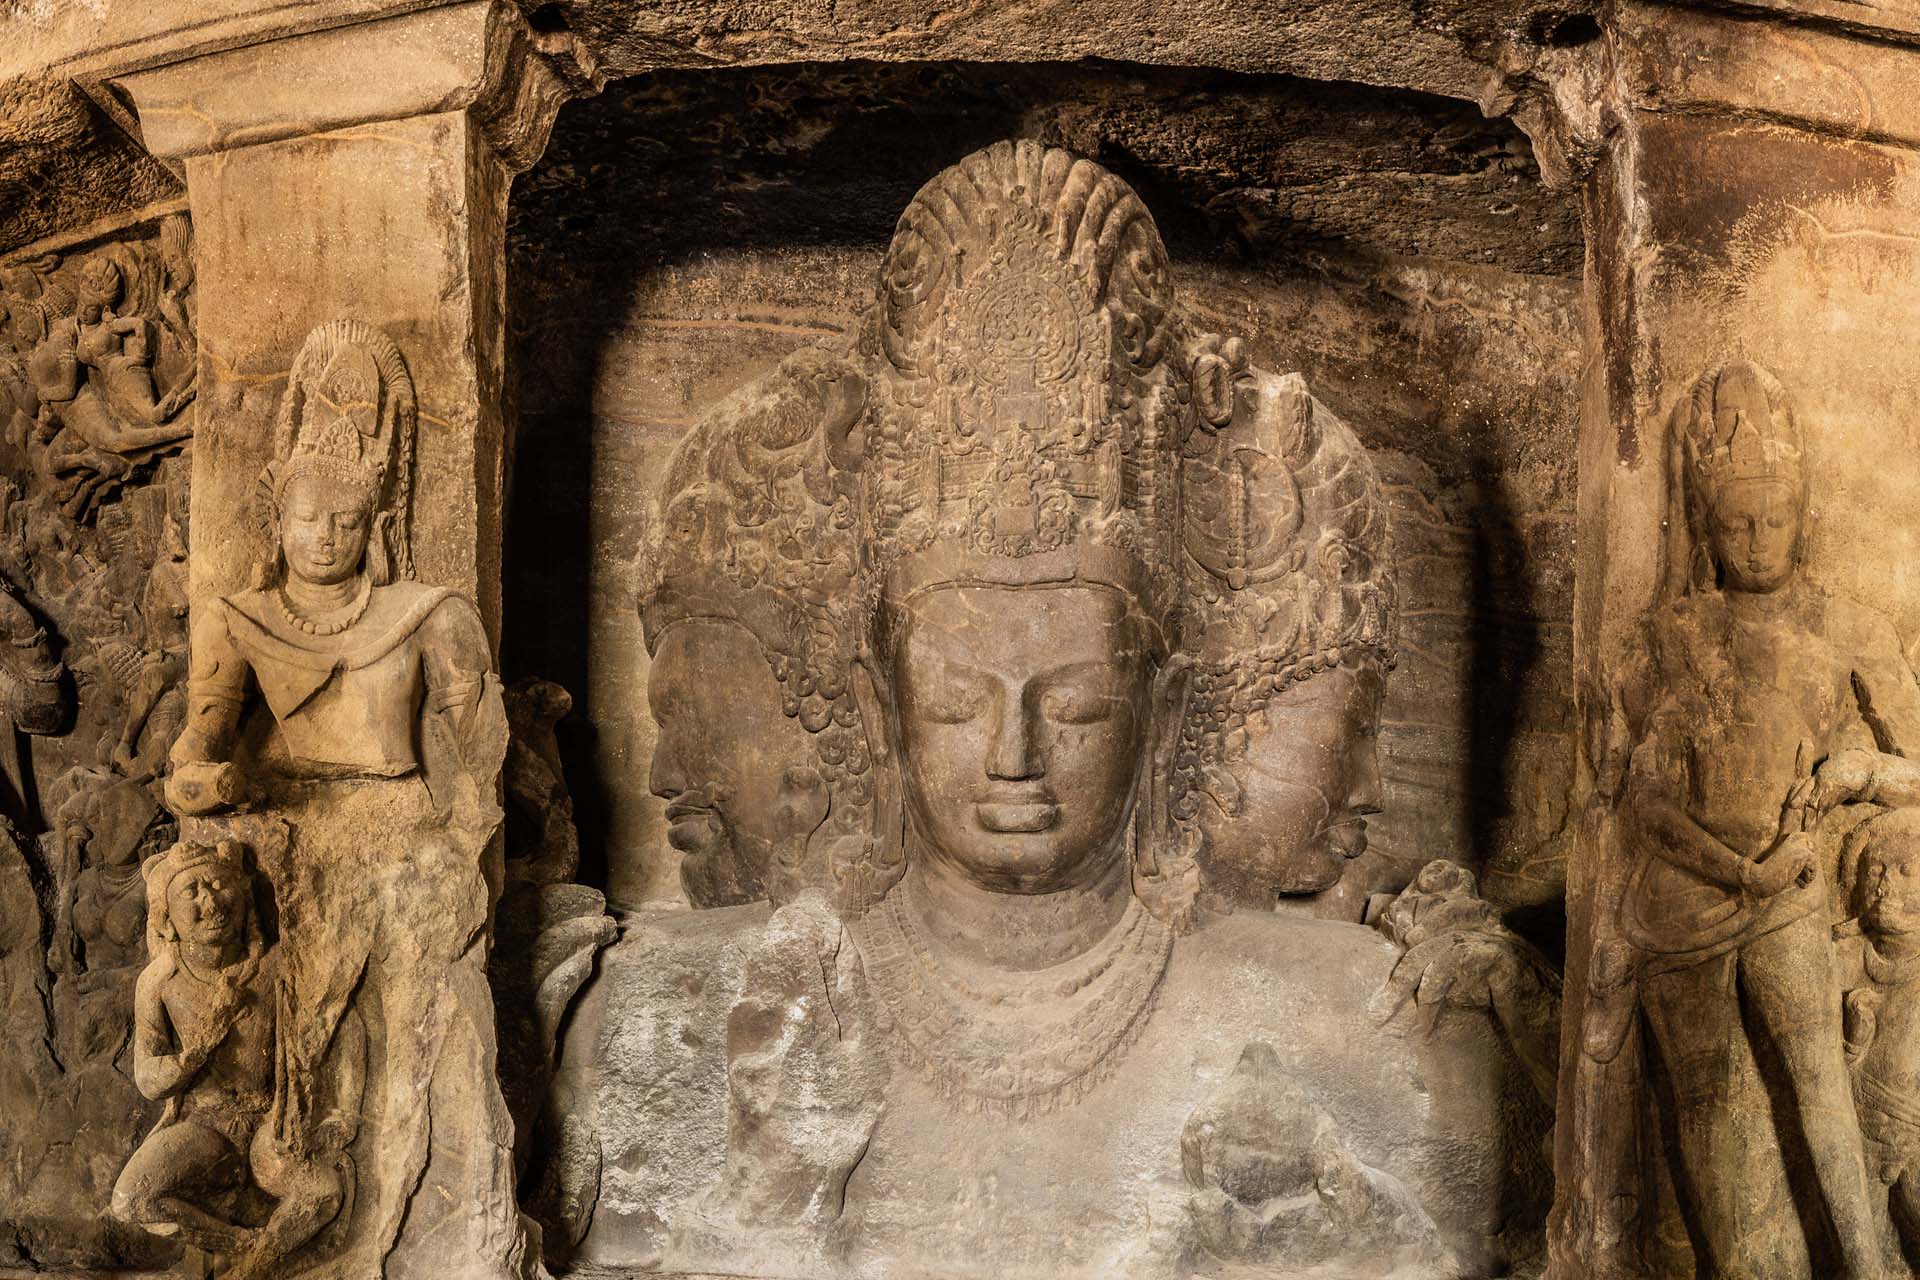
column 301, row 621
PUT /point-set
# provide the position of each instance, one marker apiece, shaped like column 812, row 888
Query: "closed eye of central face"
column 947, row 691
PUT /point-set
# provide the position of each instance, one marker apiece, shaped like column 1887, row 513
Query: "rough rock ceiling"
column 674, row 163
column 64, row 165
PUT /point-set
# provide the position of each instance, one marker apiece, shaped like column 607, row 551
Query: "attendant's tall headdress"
column 1735, row 424
column 349, row 415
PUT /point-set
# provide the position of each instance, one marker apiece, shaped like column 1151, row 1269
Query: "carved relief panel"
column 97, row 379
column 1010, row 659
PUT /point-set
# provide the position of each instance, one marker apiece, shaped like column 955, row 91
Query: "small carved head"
column 1886, row 852
column 99, row 287
column 1746, row 479
column 202, row 894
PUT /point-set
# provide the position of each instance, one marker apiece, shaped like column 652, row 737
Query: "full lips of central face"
column 1022, row 715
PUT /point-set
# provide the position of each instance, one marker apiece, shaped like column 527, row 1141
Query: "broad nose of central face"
column 1013, row 752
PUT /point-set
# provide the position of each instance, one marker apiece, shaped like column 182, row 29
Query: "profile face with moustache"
column 1022, row 717
column 736, row 771
column 1309, row 776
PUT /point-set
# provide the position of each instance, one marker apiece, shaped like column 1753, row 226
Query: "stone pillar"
column 1752, row 203
column 359, row 172
column 355, row 174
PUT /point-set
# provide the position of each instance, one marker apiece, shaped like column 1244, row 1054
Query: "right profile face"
column 1023, row 713
column 323, row 530
column 723, row 759
column 1309, row 779
column 204, row 906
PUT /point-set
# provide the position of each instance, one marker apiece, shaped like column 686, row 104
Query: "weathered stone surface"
column 962, row 533
column 1745, row 619
column 1124, row 701
column 782, row 234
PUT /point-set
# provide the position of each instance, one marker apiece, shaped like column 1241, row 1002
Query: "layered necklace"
column 1016, row 1044
column 328, row 622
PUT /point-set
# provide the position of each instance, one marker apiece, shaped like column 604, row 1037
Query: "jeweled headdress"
column 1027, row 418
column 1737, row 424
column 1287, row 528
column 755, row 524
column 349, row 415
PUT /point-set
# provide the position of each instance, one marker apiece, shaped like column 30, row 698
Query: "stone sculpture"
column 749, row 580
column 36, row 694
column 358, row 706
column 1882, row 1016
column 1756, row 677
column 103, row 414
column 205, row 1040
column 1003, row 1055
column 87, row 586
column 1290, row 600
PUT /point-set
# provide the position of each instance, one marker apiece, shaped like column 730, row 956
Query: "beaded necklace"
column 295, row 618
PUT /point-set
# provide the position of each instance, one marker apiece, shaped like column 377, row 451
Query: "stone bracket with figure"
column 355, row 710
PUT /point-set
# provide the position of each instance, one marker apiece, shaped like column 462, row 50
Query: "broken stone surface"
column 1098, row 748
column 1032, row 984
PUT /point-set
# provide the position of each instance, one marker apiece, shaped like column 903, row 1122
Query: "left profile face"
column 204, row 905
column 1310, row 777
column 323, row 530
column 1023, row 713
column 724, row 759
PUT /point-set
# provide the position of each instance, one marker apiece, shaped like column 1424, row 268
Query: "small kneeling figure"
column 1883, row 1008
column 204, row 1021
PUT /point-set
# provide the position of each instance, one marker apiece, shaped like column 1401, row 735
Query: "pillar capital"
column 1790, row 66
column 358, row 171
column 479, row 56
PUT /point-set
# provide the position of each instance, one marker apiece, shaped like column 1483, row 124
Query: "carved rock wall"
column 1396, row 249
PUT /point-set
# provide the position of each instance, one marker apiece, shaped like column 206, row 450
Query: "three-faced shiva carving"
column 1006, row 1018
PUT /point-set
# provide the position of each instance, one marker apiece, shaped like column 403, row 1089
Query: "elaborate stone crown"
column 1287, row 529
column 753, row 525
column 1737, row 424
column 1027, row 421
column 1285, row 515
column 349, row 415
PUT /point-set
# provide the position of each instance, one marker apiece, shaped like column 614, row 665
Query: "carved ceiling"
column 681, row 162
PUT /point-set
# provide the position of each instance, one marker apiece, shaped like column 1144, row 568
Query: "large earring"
column 884, row 859
column 1166, row 869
